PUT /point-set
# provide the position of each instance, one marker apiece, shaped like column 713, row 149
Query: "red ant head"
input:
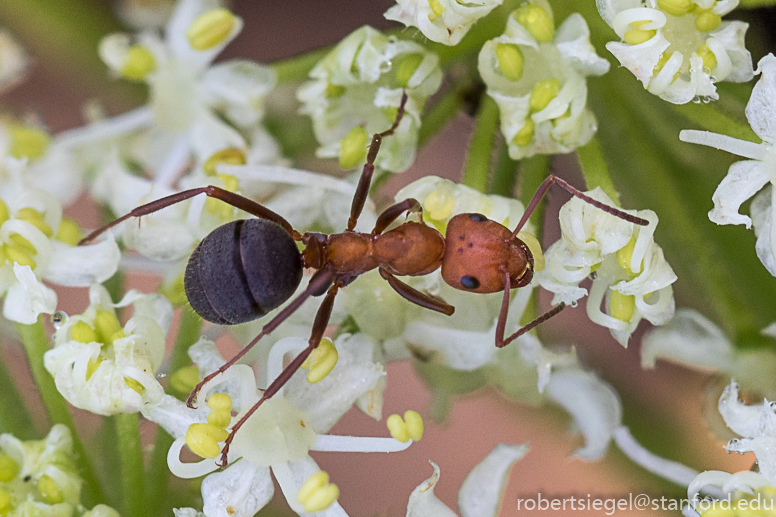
column 479, row 251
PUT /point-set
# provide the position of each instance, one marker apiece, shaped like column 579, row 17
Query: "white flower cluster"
column 678, row 49
column 443, row 21
column 536, row 74
column 631, row 276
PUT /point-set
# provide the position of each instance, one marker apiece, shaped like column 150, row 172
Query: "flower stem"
column 475, row 174
column 188, row 334
column 131, row 454
column 505, row 173
column 14, row 417
column 36, row 344
column 441, row 113
column 595, row 171
column 297, row 68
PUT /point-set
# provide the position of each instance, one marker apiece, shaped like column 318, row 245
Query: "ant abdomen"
column 242, row 270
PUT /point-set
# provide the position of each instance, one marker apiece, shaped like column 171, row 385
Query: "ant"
column 245, row 268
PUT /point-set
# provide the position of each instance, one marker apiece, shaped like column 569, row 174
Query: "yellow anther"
column 138, row 63
column 676, row 7
column 92, row 366
column 210, row 29
column 69, row 232
column 525, row 135
column 406, row 68
column 107, row 325
column 437, row 10
column 510, row 61
column 218, row 207
column 537, row 21
column 19, row 256
column 708, row 57
column 621, row 306
column 9, row 469
column 706, row 21
column 535, row 248
column 116, row 335
column 184, row 380
column 321, row 361
column 21, row 243
column 317, row 493
column 353, row 148
column 220, row 419
column 635, row 36
column 134, row 385
column 411, row 427
column 35, row 218
column 229, row 156
column 335, row 91
column 625, row 255
column 6, row 504
column 543, row 92
column 28, row 141
column 49, row 491
column 203, row 439
column 220, row 402
column 4, row 214
column 83, row 333
column 439, row 204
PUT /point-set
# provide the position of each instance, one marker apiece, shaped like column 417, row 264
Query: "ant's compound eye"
column 469, row 282
column 479, row 218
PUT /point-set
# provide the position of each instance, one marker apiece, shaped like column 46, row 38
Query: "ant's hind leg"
column 319, row 327
column 236, row 200
column 362, row 190
column 502, row 317
column 413, row 295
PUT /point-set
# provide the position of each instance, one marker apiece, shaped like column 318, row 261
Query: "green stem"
column 14, row 417
column 36, row 344
column 475, row 173
column 297, row 68
column 159, row 472
column 131, row 454
column 710, row 118
column 595, row 171
column 505, row 173
column 532, row 172
column 441, row 113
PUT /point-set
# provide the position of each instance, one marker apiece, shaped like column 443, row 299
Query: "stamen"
column 621, row 306
column 676, row 7
column 536, row 249
column 354, row 148
column 35, row 218
column 525, row 135
column 229, row 156
column 543, row 92
column 210, row 29
column 203, row 439
column 9, row 468
column 406, row 68
column 321, row 361
column 138, row 63
column 184, row 380
column 411, row 427
column 49, row 490
column 317, row 493
column 537, row 21
column 437, row 10
column 5, row 502
column 69, row 232
column 28, row 141
column 510, row 61
column 706, row 20
column 636, row 35
column 439, row 204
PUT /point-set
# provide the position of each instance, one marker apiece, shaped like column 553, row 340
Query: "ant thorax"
column 479, row 252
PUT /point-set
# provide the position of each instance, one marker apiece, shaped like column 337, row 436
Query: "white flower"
column 29, row 224
column 99, row 366
column 279, row 435
column 443, row 21
column 692, row 340
column 13, row 61
column 355, row 90
column 537, row 77
column 630, row 270
column 678, row 49
column 745, row 178
column 728, row 489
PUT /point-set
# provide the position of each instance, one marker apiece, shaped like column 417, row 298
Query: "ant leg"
column 542, row 190
column 502, row 317
column 362, row 190
column 236, row 200
column 413, row 295
column 319, row 327
column 318, row 282
column 393, row 212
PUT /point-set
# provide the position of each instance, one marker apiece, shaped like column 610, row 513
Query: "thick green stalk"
column 441, row 113
column 14, row 417
column 595, row 171
column 297, row 68
column 477, row 168
column 504, row 174
column 36, row 344
column 188, row 334
column 532, row 172
column 131, row 454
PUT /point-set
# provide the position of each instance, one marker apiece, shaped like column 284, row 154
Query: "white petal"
column 240, row 86
column 460, row 349
column 482, row 490
column 690, row 339
column 239, row 491
column 742, row 181
column 337, row 443
column 592, row 403
column 731, row 37
column 81, row 266
column 173, row 415
column 762, row 218
column 29, row 298
column 764, row 448
column 640, row 59
column 761, row 109
column 423, row 502
column 175, row 33
column 752, row 421
column 291, row 476
column 670, row 470
column 573, row 41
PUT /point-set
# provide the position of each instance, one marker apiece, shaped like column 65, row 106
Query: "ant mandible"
column 245, row 268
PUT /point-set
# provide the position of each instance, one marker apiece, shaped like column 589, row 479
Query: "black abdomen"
column 241, row 271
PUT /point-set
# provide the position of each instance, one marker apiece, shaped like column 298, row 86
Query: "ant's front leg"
column 390, row 214
column 362, row 190
column 502, row 317
column 236, row 200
